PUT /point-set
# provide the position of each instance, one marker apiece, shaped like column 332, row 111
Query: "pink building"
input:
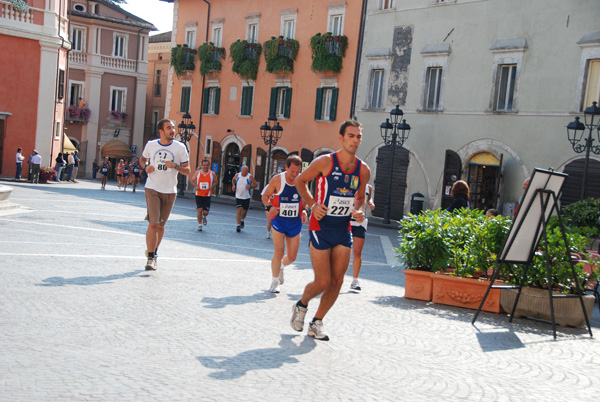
column 105, row 91
column 34, row 43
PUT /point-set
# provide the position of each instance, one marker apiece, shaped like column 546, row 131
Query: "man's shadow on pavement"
column 258, row 359
column 222, row 302
column 86, row 280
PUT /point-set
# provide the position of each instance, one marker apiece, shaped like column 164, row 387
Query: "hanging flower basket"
column 245, row 57
column 210, row 57
column 182, row 59
column 280, row 54
column 19, row 6
column 328, row 52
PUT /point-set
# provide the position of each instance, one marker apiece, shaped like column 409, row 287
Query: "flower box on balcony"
column 280, row 54
column 210, row 57
column 81, row 114
column 119, row 116
column 245, row 57
column 328, row 52
column 182, row 59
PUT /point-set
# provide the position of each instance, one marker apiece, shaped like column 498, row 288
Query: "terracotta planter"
column 465, row 292
column 535, row 303
column 418, row 284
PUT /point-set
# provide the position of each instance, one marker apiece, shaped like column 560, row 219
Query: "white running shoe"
column 268, row 235
column 281, row 278
column 315, row 330
column 151, row 264
column 298, row 314
column 274, row 286
column 199, row 228
column 204, row 220
column 355, row 285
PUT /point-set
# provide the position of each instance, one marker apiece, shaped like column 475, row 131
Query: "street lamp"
column 575, row 131
column 186, row 131
column 394, row 134
column 271, row 133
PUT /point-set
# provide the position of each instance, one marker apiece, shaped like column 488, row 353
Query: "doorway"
column 484, row 180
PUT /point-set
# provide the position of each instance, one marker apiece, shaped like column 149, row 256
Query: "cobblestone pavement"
column 80, row 319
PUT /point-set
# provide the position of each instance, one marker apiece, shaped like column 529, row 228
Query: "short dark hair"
column 353, row 123
column 19, row 149
column 293, row 160
column 204, row 160
column 161, row 124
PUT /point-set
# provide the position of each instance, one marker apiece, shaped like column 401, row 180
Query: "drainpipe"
column 202, row 94
column 361, row 35
column 62, row 44
column 137, row 56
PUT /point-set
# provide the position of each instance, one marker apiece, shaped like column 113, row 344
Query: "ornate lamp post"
column 271, row 133
column 186, row 131
column 394, row 134
column 575, row 131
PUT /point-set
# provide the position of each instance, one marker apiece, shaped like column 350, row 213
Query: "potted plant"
column 210, row 57
column 119, row 116
column 534, row 300
column 19, row 6
column 47, row 173
column 182, row 59
column 328, row 52
column 280, row 54
column 422, row 250
column 245, row 57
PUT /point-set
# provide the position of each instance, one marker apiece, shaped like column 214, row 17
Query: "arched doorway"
column 484, row 180
column 231, row 163
column 571, row 191
column 115, row 150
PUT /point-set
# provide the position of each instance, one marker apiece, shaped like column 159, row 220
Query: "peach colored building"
column 34, row 43
column 107, row 80
column 229, row 110
column 159, row 51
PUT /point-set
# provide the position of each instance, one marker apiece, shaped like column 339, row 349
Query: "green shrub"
column 210, row 57
column 280, row 54
column 182, row 59
column 245, row 57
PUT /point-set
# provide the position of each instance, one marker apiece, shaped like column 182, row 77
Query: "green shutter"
column 334, row 98
column 273, row 102
column 319, row 104
column 217, row 99
column 288, row 102
column 247, row 101
column 206, row 95
column 184, row 106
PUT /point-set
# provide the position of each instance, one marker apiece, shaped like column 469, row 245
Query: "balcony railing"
column 78, row 58
column 118, row 64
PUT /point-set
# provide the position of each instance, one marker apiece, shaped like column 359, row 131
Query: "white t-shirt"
column 163, row 179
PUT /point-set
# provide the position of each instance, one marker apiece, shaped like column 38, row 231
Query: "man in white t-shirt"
column 162, row 160
column 242, row 183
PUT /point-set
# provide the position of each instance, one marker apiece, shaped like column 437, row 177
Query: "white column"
column 46, row 99
column 140, row 114
column 93, row 84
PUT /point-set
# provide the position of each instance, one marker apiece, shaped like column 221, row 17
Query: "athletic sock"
column 300, row 304
column 150, row 254
column 315, row 319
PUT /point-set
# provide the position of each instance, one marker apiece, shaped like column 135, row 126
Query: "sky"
column 157, row 12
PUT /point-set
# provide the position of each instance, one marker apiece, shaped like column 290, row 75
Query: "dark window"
column 247, row 95
column 326, row 103
column 157, row 85
column 184, row 106
column 212, row 97
column 280, row 102
column 61, row 84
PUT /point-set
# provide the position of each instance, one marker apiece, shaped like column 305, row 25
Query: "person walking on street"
column 94, row 169
column 75, row 166
column 36, row 166
column 359, row 230
column 205, row 182
column 30, row 166
column 104, row 170
column 136, row 171
column 287, row 214
column 340, row 195
column 60, row 162
column 163, row 159
column 126, row 174
column 242, row 183
column 19, row 159
column 70, row 166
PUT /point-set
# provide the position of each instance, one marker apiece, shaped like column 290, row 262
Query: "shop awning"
column 68, row 145
column 116, row 149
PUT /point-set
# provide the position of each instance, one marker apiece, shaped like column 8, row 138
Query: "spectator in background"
column 20, row 158
column 29, row 164
column 36, row 167
column 70, row 166
column 460, row 193
column 75, row 166
column 94, row 169
column 60, row 162
column 525, row 186
column 490, row 213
